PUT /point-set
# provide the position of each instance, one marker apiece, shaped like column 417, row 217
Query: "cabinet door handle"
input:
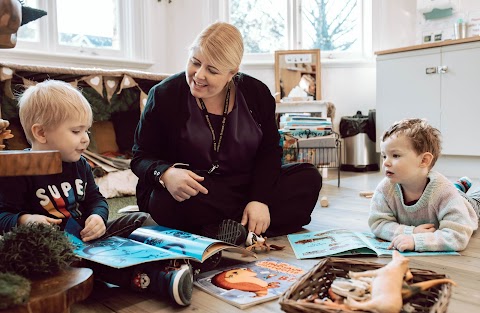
column 442, row 69
column 431, row 70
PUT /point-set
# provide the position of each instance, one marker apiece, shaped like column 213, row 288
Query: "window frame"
column 365, row 54
column 134, row 50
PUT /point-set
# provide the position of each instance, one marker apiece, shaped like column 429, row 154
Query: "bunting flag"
column 5, row 73
column 111, row 84
column 74, row 84
column 127, row 82
column 96, row 82
column 143, row 100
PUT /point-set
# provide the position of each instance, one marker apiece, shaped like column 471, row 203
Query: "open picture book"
column 343, row 242
column 147, row 244
column 247, row 284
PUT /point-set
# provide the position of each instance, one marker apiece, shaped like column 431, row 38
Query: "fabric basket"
column 321, row 276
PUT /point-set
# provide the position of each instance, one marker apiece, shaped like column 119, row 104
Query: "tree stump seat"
column 57, row 293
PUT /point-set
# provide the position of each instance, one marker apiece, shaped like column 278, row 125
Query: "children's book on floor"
column 147, row 244
column 247, row 284
column 343, row 242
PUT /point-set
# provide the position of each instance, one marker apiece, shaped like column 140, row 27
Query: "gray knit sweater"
column 440, row 204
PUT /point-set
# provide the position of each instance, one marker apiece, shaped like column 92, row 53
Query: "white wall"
column 350, row 87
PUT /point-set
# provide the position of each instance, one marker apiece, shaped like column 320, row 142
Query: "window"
column 100, row 28
column 335, row 27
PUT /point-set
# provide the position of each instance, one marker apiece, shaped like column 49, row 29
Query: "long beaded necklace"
column 216, row 145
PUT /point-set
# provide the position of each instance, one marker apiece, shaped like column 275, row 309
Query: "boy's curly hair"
column 423, row 136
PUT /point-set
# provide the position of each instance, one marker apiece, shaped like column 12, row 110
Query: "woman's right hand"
column 183, row 184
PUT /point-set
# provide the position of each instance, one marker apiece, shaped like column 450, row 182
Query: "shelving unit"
column 322, row 157
column 321, row 154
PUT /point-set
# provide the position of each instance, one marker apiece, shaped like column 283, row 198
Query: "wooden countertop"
column 429, row 45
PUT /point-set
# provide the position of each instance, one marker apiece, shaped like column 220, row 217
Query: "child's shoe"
column 174, row 280
column 463, row 184
column 228, row 231
column 232, row 232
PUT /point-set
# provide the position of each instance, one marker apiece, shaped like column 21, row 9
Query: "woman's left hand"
column 257, row 216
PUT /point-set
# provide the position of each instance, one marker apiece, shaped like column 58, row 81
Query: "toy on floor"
column 386, row 294
column 389, row 286
column 4, row 132
column 380, row 291
column 258, row 243
column 366, row 194
column 324, row 202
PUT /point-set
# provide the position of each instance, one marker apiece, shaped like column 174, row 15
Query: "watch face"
column 162, row 183
column 158, row 176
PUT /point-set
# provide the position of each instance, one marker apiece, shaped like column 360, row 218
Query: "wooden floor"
column 347, row 209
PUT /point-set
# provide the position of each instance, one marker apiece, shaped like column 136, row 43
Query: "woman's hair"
column 51, row 103
column 222, row 44
column 424, row 137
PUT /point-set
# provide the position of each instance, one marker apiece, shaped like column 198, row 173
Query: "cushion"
column 103, row 138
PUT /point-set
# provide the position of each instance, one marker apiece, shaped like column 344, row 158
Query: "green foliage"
column 102, row 109
column 35, row 251
column 14, row 290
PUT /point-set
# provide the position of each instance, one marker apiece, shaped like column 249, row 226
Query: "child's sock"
column 463, row 184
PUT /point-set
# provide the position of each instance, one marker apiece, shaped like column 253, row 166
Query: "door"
column 406, row 90
column 460, row 106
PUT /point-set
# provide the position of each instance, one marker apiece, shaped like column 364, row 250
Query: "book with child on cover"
column 147, row 244
column 247, row 284
column 343, row 242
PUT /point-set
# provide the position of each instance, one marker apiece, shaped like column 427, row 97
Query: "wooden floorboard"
column 347, row 209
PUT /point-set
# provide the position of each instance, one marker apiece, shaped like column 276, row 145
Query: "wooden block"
column 366, row 194
column 25, row 163
column 57, row 293
column 324, row 202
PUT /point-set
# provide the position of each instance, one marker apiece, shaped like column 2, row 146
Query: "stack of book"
column 297, row 124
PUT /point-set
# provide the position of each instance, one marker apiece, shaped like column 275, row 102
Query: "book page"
column 247, row 284
column 114, row 251
column 119, row 252
column 184, row 243
column 176, row 241
column 326, row 243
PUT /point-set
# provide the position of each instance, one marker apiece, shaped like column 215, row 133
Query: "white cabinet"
column 411, row 84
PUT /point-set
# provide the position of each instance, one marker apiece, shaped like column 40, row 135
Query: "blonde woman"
column 207, row 150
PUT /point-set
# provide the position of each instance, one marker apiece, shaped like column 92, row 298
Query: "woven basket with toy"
column 346, row 285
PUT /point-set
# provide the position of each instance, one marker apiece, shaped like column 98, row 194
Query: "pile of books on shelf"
column 297, row 123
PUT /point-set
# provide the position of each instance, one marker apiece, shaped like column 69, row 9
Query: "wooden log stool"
column 57, row 293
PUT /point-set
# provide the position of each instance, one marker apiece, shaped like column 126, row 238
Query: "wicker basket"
column 321, row 276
